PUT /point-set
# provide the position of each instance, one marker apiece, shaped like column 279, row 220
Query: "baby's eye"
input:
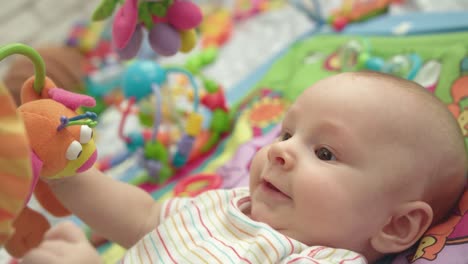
column 285, row 136
column 86, row 133
column 74, row 150
column 324, row 154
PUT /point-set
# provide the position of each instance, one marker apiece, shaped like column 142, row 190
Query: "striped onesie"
column 211, row 228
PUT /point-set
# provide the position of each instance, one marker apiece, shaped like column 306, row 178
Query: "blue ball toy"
column 139, row 77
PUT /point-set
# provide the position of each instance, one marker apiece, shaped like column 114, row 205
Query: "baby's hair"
column 450, row 172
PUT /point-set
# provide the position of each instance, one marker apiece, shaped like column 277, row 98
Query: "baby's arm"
column 118, row 211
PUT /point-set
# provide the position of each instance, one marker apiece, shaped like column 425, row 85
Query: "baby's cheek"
column 322, row 191
column 258, row 162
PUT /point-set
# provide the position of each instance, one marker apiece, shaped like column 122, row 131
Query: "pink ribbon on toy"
column 71, row 100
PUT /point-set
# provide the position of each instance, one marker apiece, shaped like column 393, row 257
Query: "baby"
column 364, row 164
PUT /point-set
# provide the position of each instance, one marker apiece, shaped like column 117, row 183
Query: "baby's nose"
column 280, row 156
column 280, row 160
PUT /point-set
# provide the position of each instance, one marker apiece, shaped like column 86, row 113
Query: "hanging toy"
column 48, row 140
column 140, row 80
column 155, row 149
column 170, row 23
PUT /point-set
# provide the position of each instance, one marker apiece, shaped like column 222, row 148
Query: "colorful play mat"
column 439, row 62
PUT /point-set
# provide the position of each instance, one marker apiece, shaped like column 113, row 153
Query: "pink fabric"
column 71, row 100
column 36, row 170
column 124, row 24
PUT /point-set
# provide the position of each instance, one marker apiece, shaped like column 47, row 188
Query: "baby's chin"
column 263, row 215
column 272, row 220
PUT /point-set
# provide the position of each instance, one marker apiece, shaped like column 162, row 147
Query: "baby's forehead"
column 368, row 86
column 383, row 102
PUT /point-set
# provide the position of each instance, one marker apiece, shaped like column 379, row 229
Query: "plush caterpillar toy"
column 44, row 138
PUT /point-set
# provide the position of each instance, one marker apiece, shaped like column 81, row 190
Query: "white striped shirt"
column 211, row 228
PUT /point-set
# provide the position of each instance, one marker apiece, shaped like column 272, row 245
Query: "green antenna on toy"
column 33, row 55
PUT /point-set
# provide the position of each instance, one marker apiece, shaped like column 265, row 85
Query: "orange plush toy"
column 59, row 144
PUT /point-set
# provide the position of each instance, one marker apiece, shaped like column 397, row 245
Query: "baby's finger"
column 39, row 256
column 57, row 248
column 65, row 231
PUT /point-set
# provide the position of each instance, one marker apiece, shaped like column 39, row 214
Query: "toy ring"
column 214, row 181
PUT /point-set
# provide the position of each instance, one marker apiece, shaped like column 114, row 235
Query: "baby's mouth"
column 89, row 163
column 271, row 186
column 273, row 189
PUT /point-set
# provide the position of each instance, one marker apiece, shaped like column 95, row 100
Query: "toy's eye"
column 74, row 150
column 86, row 133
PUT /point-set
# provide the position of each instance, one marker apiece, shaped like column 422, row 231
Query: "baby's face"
column 328, row 178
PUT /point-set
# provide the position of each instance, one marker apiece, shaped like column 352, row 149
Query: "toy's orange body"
column 29, row 229
column 45, row 153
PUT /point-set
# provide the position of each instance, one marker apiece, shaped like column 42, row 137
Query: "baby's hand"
column 64, row 243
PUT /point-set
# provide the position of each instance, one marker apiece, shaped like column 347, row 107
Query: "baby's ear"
column 404, row 228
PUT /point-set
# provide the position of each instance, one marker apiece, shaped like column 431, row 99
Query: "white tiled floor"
column 40, row 22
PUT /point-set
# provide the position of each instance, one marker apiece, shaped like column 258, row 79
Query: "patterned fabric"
column 15, row 164
column 445, row 243
column 211, row 228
